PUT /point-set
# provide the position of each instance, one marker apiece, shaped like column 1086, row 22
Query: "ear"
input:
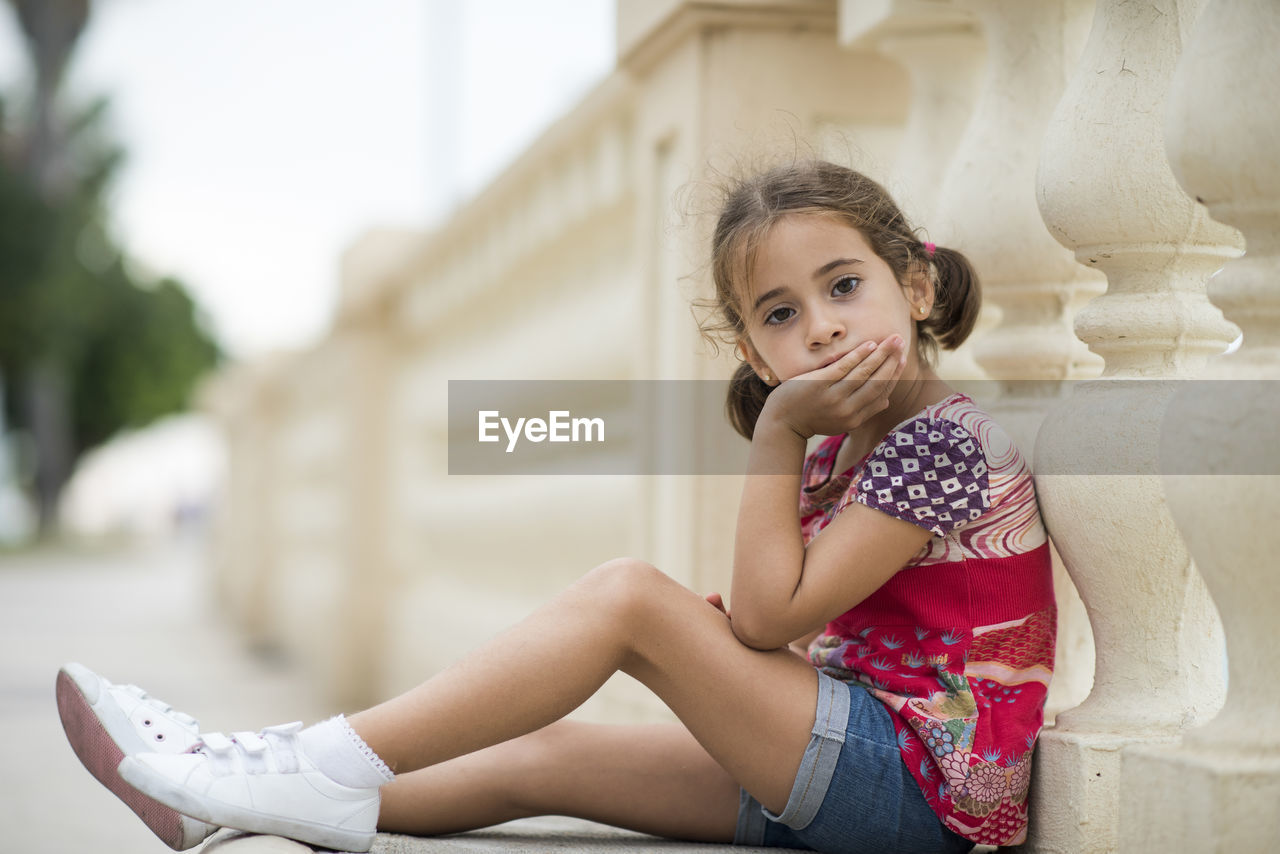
column 749, row 355
column 919, row 292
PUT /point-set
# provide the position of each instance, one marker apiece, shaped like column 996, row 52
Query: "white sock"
column 343, row 756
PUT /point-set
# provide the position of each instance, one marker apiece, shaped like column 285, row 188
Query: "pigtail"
column 745, row 402
column 957, row 298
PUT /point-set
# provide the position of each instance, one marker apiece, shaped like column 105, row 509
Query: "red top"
column 959, row 643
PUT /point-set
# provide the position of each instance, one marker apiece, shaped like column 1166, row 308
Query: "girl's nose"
column 824, row 328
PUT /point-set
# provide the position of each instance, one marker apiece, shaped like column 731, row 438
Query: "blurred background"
column 177, row 180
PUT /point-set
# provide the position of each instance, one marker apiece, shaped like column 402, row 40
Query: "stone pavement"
column 143, row 615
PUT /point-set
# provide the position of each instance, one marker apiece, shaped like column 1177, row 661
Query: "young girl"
column 878, row 684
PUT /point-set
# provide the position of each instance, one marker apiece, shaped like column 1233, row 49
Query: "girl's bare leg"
column 656, row 779
column 750, row 710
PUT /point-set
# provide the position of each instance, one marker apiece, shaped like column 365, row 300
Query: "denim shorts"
column 853, row 793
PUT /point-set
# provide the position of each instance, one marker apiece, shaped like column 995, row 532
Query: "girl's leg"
column 656, row 779
column 752, row 711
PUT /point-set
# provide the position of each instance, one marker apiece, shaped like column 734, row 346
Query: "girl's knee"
column 627, row 574
column 624, row 583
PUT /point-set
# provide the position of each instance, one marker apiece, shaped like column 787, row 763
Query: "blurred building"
column 1094, row 161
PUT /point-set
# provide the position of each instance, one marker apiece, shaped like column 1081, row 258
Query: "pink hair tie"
column 928, row 248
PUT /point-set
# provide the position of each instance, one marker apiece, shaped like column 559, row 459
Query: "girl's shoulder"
column 955, row 437
column 944, row 468
column 956, row 407
column 950, row 444
column 934, row 423
column 958, row 420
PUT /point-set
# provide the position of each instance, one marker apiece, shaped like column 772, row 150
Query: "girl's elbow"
column 758, row 634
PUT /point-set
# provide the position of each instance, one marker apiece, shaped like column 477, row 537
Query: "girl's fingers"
column 859, row 356
column 864, row 355
column 870, row 391
column 853, row 388
column 866, row 360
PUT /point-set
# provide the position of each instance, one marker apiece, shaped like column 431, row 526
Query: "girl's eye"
column 845, row 285
column 779, row 315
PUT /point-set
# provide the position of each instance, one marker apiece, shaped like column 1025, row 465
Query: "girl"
column 877, row 686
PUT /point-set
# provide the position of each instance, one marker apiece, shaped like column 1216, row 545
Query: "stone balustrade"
column 1094, row 160
column 1106, row 192
column 1217, row 788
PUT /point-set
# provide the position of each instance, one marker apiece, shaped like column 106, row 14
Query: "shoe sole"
column 159, row 787
column 102, row 756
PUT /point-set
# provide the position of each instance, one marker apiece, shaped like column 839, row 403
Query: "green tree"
column 86, row 346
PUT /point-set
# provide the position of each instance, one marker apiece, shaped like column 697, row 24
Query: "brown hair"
column 753, row 206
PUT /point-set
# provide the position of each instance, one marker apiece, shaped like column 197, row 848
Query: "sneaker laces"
column 275, row 748
column 183, row 719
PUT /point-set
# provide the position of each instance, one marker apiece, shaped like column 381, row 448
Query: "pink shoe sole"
column 102, row 757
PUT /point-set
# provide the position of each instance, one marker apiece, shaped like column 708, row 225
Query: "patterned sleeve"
column 930, row 472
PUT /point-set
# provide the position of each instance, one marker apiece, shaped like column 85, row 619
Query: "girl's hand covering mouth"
column 842, row 395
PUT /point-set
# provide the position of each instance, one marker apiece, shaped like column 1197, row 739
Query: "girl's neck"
column 908, row 398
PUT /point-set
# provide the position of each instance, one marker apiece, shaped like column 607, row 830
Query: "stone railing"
column 1094, row 161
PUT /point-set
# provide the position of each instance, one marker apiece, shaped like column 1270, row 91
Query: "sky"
column 264, row 137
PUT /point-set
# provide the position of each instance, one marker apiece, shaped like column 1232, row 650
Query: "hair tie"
column 928, row 248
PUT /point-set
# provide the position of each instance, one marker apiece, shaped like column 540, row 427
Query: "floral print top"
column 959, row 643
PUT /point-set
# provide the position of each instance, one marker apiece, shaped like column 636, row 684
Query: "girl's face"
column 817, row 291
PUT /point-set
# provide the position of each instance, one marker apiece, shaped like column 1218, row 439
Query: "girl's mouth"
column 835, row 359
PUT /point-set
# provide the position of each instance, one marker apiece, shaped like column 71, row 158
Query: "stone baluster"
column 1029, row 281
column 1026, row 274
column 942, row 51
column 1219, row 790
column 944, row 66
column 1106, row 192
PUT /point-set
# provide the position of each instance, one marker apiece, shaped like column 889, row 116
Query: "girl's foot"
column 263, row 783
column 106, row 722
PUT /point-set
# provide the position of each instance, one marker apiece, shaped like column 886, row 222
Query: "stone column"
column 987, row 207
column 244, row 549
column 1219, row 791
column 1030, row 283
column 368, row 580
column 366, row 337
column 941, row 50
column 1106, row 192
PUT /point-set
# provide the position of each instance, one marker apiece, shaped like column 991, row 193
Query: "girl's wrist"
column 770, row 427
column 776, row 448
column 772, row 420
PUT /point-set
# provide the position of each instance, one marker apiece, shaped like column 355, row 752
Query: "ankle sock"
column 343, row 756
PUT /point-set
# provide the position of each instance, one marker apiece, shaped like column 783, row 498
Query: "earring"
column 923, row 311
column 766, row 378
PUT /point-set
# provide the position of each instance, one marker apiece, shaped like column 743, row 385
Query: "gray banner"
column 639, row 427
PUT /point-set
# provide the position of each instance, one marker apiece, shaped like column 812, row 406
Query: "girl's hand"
column 841, row 396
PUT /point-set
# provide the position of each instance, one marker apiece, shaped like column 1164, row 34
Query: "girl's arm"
column 782, row 590
column 800, row 646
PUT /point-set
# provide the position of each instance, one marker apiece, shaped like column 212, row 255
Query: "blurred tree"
column 86, row 348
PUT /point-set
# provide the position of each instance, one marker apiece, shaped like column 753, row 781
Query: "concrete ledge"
column 548, row 833
column 529, row 835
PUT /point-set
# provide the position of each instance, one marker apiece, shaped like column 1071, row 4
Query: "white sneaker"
column 106, row 722
column 263, row 783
